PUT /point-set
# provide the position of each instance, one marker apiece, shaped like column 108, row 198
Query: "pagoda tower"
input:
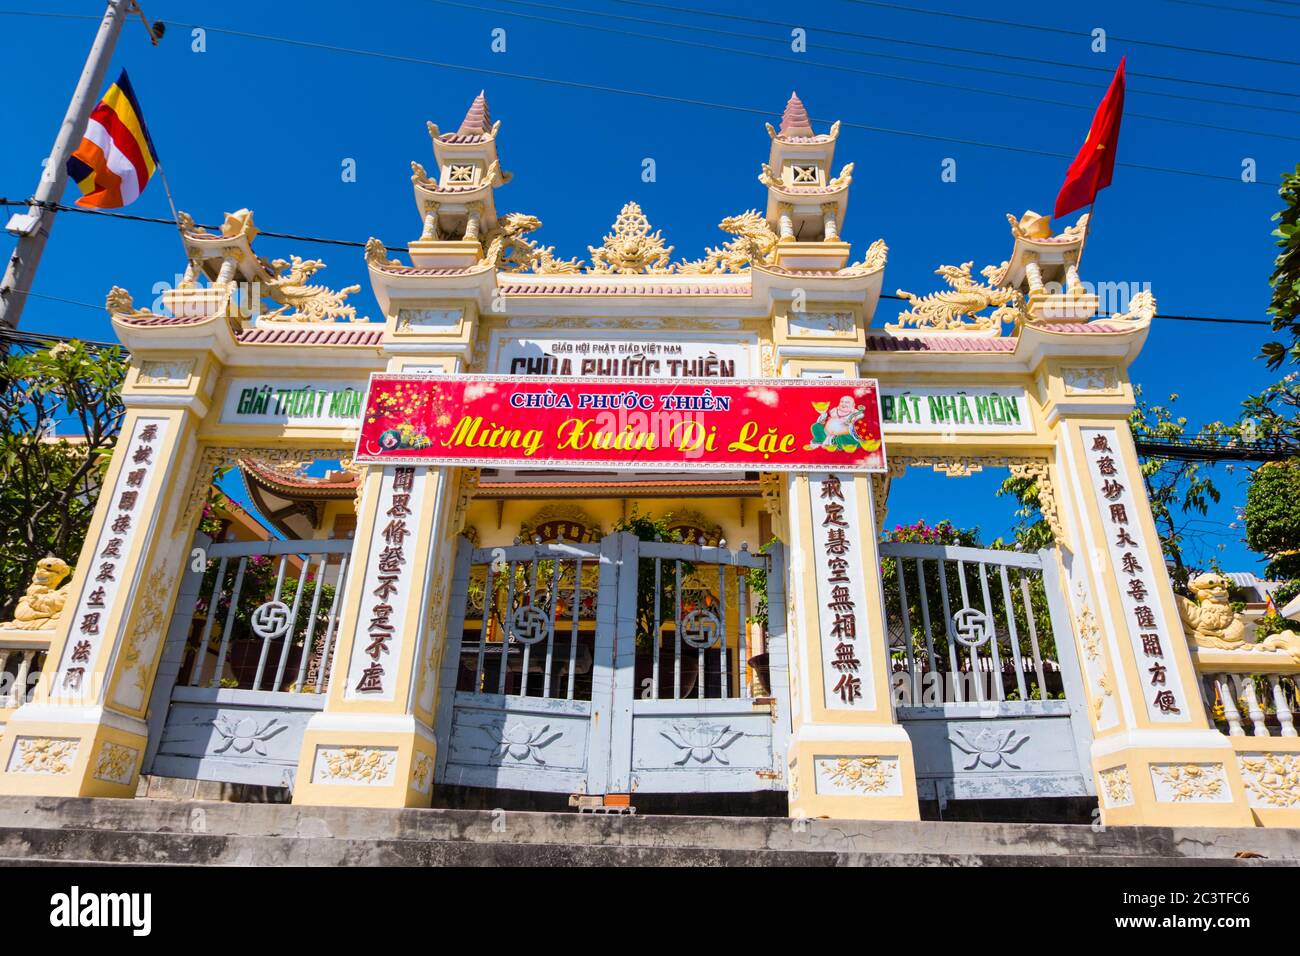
column 806, row 205
column 457, row 202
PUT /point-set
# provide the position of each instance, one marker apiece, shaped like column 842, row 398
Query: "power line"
column 690, row 101
column 875, row 55
column 997, row 54
column 1062, row 31
column 1197, row 449
column 1220, row 6
column 61, row 207
column 964, row 88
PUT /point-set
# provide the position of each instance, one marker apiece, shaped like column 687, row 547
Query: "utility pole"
column 33, row 226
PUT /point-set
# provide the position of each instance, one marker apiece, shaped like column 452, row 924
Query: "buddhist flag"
column 116, row 156
column 1092, row 169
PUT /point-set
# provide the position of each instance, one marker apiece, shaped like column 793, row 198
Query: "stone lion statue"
column 40, row 607
column 1209, row 620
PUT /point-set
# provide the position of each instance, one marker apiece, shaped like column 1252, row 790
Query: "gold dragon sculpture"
column 957, row 309
column 755, row 242
column 511, row 251
column 300, row 302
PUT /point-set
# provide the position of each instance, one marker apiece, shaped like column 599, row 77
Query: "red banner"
column 623, row 423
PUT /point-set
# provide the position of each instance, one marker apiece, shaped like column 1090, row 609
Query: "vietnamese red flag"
column 1092, row 169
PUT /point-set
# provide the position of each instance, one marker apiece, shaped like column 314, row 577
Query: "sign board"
column 623, row 358
column 630, row 424
column 955, row 410
column 254, row 401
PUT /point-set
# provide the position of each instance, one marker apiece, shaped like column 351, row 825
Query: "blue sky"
column 269, row 125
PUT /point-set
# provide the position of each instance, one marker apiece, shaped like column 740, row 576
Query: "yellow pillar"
column 84, row 733
column 1156, row 758
column 373, row 745
column 848, row 757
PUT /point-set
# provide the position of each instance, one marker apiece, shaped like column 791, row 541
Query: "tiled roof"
column 962, row 343
column 463, row 140
column 344, row 486
column 524, row 287
column 795, row 122
column 291, row 336
column 149, row 321
column 937, row 343
column 478, row 120
column 401, row 270
column 1083, row 327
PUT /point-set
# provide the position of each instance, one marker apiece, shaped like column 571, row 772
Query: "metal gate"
column 247, row 660
column 613, row 667
column 984, row 674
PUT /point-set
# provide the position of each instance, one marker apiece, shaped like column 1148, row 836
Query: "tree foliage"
column 50, row 484
column 1273, row 516
column 1285, row 306
column 1176, row 489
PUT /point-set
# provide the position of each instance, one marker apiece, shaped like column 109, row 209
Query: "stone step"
column 44, row 847
column 155, row 832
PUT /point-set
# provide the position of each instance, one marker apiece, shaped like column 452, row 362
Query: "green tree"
column 1176, row 489
column 1285, row 305
column 1273, row 516
column 60, row 414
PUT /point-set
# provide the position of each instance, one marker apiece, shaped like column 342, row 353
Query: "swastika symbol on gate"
column 528, row 625
column 971, row 627
column 701, row 629
column 270, row 620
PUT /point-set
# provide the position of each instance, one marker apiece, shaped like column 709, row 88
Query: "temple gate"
column 358, row 632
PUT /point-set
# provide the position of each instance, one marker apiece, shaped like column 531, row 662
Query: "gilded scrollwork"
column 630, row 248
column 213, row 457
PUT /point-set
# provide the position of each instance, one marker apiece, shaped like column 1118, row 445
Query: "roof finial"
column 795, row 122
column 477, row 121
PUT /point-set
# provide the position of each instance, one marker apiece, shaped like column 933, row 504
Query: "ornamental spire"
column 795, row 122
column 477, row 121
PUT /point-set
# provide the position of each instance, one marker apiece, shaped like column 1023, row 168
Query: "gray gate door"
column 247, row 660
column 613, row 667
column 985, row 678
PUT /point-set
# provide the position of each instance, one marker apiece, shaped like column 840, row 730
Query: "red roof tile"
column 795, row 122
column 148, row 321
column 937, row 343
column 477, row 121
column 290, row 336
column 524, row 287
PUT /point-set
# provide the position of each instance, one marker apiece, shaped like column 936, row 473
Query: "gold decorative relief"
column 1189, row 783
column 43, row 755
column 1271, row 779
column 115, row 763
column 867, row 775
column 1116, row 786
column 355, row 765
